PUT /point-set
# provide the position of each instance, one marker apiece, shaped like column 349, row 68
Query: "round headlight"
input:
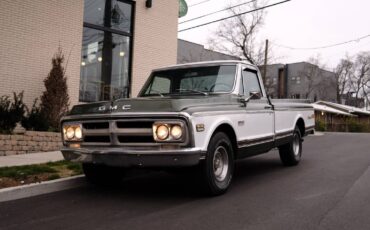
column 78, row 132
column 176, row 132
column 70, row 133
column 162, row 132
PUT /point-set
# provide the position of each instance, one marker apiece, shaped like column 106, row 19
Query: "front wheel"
column 218, row 167
column 291, row 153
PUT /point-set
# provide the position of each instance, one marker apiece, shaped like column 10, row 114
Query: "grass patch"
column 53, row 177
column 75, row 167
column 17, row 175
column 20, row 172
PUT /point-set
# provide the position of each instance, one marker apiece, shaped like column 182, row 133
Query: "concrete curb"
column 318, row 134
column 24, row 191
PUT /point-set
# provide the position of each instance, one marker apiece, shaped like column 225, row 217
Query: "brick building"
column 110, row 45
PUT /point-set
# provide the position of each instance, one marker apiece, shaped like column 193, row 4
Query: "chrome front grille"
column 118, row 133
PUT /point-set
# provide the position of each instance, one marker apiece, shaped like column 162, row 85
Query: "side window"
column 159, row 85
column 251, row 83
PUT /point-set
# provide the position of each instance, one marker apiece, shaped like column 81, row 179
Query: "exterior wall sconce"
column 148, row 3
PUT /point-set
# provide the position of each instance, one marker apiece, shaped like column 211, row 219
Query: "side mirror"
column 253, row 95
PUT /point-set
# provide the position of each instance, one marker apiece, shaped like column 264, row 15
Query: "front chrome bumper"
column 123, row 157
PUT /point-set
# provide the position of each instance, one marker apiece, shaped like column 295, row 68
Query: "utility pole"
column 265, row 64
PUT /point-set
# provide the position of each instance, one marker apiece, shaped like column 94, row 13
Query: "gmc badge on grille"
column 111, row 108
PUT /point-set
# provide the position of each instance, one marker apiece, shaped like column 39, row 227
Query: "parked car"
column 206, row 114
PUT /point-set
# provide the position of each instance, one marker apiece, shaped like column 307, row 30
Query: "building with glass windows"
column 110, row 46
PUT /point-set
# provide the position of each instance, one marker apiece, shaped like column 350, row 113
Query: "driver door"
column 259, row 117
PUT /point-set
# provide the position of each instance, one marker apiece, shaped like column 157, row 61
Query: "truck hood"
column 188, row 104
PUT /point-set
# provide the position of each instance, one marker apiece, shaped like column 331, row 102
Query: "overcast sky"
column 298, row 23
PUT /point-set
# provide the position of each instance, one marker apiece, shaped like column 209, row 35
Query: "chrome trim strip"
column 293, row 109
column 310, row 127
column 95, row 132
column 256, row 141
column 284, row 134
column 131, row 151
column 234, row 112
column 259, row 111
column 196, row 114
column 122, row 114
column 133, row 131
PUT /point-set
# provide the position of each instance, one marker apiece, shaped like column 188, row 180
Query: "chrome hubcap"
column 296, row 145
column 220, row 163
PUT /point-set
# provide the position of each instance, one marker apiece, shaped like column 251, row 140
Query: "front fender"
column 201, row 139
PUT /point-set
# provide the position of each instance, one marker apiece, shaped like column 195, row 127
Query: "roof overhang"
column 331, row 110
column 344, row 108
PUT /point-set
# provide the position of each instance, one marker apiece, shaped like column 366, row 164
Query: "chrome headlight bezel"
column 72, row 138
column 169, row 125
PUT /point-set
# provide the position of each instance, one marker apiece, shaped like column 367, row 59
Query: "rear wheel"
column 291, row 153
column 102, row 174
column 218, row 167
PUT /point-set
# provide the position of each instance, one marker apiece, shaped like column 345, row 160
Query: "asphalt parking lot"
column 330, row 189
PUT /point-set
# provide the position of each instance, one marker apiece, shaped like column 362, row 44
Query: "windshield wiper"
column 193, row 91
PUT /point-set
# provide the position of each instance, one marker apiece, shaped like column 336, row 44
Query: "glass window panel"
column 212, row 79
column 160, row 85
column 251, row 83
column 108, row 13
column 104, row 66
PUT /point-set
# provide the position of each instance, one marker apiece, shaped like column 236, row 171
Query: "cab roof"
column 205, row 63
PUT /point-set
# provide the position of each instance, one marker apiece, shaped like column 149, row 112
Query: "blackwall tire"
column 102, row 175
column 218, row 167
column 291, row 153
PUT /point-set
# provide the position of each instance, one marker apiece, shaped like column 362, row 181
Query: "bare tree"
column 360, row 81
column 343, row 74
column 353, row 79
column 55, row 99
column 238, row 36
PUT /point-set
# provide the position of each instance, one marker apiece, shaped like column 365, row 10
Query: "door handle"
column 268, row 107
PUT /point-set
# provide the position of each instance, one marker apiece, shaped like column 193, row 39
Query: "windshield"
column 195, row 80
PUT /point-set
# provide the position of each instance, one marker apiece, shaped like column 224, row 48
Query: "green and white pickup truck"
column 201, row 116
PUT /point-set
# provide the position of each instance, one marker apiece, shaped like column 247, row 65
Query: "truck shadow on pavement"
column 150, row 194
column 159, row 184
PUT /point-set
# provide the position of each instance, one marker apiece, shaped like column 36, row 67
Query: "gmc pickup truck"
column 201, row 116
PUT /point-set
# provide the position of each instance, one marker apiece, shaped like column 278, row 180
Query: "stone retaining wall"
column 30, row 142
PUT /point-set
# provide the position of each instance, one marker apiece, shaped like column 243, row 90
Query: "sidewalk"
column 31, row 158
